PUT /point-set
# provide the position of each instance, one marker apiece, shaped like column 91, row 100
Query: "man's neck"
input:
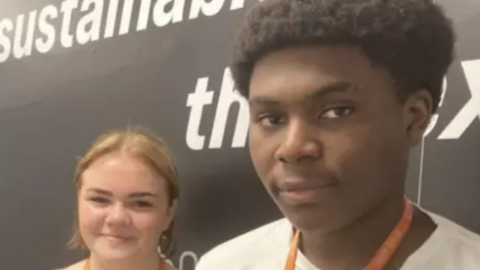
column 352, row 247
column 144, row 263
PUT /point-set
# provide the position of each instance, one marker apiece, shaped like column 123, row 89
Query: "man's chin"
column 311, row 218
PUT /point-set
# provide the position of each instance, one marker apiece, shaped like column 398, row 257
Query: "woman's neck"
column 150, row 262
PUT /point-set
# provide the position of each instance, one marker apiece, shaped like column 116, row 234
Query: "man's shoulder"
column 451, row 246
column 264, row 235
column 251, row 244
column 456, row 232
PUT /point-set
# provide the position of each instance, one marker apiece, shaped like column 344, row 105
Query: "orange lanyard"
column 87, row 265
column 383, row 254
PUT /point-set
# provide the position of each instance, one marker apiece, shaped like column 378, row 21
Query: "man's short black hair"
column 411, row 39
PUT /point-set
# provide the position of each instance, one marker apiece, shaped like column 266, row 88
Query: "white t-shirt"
column 450, row 247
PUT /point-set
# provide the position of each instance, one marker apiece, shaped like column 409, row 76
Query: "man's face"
column 329, row 137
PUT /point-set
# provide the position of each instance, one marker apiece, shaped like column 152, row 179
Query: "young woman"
column 127, row 187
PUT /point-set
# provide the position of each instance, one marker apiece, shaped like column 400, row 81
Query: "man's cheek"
column 341, row 148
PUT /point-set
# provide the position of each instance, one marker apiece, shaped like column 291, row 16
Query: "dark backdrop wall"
column 72, row 69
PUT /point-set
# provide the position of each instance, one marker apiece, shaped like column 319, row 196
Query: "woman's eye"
column 142, row 204
column 98, row 200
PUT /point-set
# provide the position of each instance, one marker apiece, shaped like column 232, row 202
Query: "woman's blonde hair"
column 150, row 149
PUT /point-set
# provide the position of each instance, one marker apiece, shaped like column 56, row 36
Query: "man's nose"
column 299, row 144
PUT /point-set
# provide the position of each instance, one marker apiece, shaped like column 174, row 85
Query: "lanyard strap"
column 383, row 254
column 87, row 265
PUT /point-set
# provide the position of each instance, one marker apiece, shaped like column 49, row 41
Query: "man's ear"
column 417, row 115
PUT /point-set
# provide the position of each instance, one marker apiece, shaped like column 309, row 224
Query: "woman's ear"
column 171, row 211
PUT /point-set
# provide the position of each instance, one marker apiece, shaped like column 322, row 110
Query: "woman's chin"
column 115, row 254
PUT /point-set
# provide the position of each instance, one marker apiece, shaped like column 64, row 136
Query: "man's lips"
column 304, row 191
column 302, row 185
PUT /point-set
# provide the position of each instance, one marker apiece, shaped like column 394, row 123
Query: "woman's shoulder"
column 76, row 266
column 79, row 266
column 169, row 267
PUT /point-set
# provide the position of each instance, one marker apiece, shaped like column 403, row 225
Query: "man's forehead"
column 323, row 91
column 285, row 81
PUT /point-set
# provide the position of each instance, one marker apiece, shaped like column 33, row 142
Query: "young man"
column 339, row 91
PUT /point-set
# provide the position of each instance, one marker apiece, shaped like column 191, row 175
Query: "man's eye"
column 270, row 120
column 336, row 112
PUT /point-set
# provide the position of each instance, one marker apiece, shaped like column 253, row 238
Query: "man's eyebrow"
column 335, row 87
column 329, row 89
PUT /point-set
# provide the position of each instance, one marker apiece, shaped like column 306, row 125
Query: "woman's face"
column 123, row 207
